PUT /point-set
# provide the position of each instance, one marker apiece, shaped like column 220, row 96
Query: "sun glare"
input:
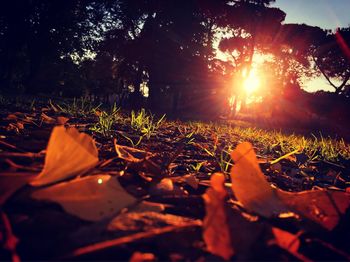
column 251, row 83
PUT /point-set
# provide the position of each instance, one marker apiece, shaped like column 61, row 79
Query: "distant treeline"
column 160, row 53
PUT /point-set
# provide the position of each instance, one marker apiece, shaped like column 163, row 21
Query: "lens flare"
column 251, row 83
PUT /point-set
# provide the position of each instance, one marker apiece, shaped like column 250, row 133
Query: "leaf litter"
column 149, row 195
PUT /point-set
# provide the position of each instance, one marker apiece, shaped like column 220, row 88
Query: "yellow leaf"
column 255, row 193
column 68, row 154
column 91, row 198
column 249, row 183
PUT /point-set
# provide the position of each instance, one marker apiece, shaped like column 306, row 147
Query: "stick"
column 128, row 239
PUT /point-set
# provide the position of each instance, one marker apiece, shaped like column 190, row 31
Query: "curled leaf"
column 249, row 183
column 254, row 192
column 68, row 154
column 138, row 160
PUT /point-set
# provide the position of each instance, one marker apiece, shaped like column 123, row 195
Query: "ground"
column 166, row 165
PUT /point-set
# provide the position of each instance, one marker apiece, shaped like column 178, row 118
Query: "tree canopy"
column 103, row 47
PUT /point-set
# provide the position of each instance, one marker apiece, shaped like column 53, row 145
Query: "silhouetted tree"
column 36, row 34
column 332, row 58
column 253, row 25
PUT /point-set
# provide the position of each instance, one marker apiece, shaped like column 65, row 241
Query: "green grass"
column 222, row 138
column 278, row 143
column 145, row 123
column 106, row 120
column 78, row 107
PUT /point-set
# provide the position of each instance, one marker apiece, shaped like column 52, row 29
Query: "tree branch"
column 339, row 88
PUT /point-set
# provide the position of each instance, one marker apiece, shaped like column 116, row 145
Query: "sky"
column 327, row 14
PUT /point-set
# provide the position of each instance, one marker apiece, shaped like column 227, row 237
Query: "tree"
column 168, row 44
column 253, row 26
column 35, row 34
column 332, row 58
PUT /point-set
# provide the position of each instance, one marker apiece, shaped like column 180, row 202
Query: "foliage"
column 105, row 121
column 144, row 122
column 78, row 107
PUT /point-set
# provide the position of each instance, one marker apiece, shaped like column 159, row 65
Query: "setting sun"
column 251, row 83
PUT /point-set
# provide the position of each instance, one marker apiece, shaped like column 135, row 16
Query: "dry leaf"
column 11, row 117
column 249, row 183
column 91, row 198
column 164, row 187
column 191, row 180
column 216, row 232
column 286, row 240
column 68, row 154
column 130, row 154
column 320, row 206
column 47, row 119
column 146, row 221
column 254, row 192
column 61, row 120
column 11, row 182
column 141, row 257
column 138, row 160
column 289, row 242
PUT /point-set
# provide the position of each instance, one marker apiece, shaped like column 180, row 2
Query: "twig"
column 10, row 146
column 331, row 247
column 21, row 155
column 127, row 239
column 13, row 164
column 11, row 240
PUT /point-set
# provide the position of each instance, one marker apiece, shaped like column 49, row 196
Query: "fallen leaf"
column 323, row 207
column 11, row 117
column 47, row 119
column 11, row 182
column 254, row 192
column 90, row 198
column 164, row 187
column 147, row 220
column 68, row 154
column 289, row 242
column 191, row 180
column 250, row 185
column 276, row 167
column 61, row 120
column 286, row 240
column 141, row 257
column 216, row 232
column 138, row 160
column 130, row 154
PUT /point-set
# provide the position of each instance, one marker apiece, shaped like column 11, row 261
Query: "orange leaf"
column 11, row 182
column 68, row 154
column 216, row 232
column 254, row 192
column 91, row 198
column 321, row 206
column 47, row 119
column 286, row 240
column 61, row 120
column 249, row 183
